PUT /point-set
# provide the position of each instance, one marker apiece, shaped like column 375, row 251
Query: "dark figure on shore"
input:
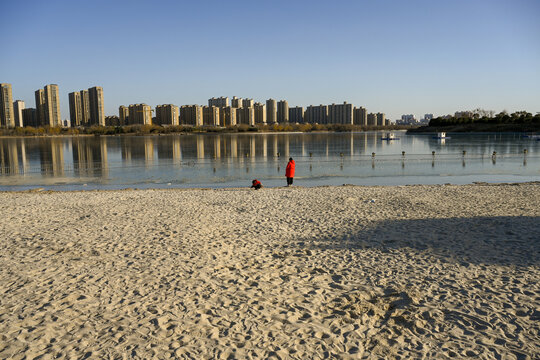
column 256, row 184
column 289, row 171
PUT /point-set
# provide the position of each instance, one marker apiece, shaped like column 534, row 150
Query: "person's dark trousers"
column 289, row 181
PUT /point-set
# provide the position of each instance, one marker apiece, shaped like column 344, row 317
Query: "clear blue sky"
column 397, row 57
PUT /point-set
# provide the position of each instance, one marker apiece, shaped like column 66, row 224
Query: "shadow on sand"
column 505, row 240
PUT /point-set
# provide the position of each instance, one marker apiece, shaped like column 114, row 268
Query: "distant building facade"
column 123, row 114
column 360, row 116
column 112, row 121
column 219, row 102
column 245, row 116
column 190, row 115
column 282, row 111
column 372, row 119
column 260, row 113
column 75, row 108
column 381, row 119
column 228, row 116
column 296, row 114
column 340, row 114
column 97, row 106
column 18, row 107
column 316, row 114
column 51, row 106
column 271, row 111
column 236, row 102
column 85, row 107
column 167, row 114
column 7, row 115
column 140, row 114
column 210, row 115
column 30, row 117
column 247, row 103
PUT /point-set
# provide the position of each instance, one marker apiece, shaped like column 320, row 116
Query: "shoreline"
column 412, row 271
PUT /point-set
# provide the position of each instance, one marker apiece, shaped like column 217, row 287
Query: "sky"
column 392, row 56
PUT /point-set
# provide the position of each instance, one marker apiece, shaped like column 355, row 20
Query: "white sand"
column 423, row 271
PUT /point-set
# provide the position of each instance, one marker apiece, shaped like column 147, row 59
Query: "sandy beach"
column 304, row 273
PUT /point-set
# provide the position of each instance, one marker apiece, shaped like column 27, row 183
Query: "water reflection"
column 230, row 159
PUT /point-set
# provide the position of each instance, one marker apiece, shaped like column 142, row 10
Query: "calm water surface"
column 233, row 160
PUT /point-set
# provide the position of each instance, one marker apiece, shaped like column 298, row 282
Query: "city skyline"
column 415, row 58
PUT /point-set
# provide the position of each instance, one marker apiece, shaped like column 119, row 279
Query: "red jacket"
column 289, row 171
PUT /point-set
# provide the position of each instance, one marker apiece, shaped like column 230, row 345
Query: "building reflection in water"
column 9, row 158
column 89, row 157
column 51, row 156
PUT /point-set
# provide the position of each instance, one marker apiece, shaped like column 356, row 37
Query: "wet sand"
column 345, row 272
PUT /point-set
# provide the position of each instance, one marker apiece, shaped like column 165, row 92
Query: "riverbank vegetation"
column 482, row 121
column 185, row 129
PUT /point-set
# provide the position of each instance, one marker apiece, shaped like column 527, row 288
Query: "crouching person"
column 256, row 184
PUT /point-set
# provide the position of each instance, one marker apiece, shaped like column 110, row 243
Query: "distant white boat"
column 390, row 136
column 441, row 135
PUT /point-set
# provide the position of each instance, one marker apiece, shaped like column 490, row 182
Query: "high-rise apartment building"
column 7, row 115
column 381, row 119
column 40, row 107
column 296, row 114
column 85, row 107
column 222, row 101
column 18, row 107
column 228, row 116
column 340, row 114
column 372, row 119
column 360, row 116
column 97, row 107
column 316, row 114
column 123, row 114
column 245, row 116
column 75, row 108
column 211, row 115
column 190, row 115
column 30, row 117
column 282, row 111
column 140, row 114
column 167, row 114
column 247, row 103
column 236, row 102
column 271, row 111
column 52, row 106
column 260, row 113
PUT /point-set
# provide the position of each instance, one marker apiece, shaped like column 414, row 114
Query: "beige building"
column 222, row 101
column 51, row 106
column 245, row 116
column 260, row 113
column 210, row 115
column 271, row 111
column 236, row 102
column 167, row 114
column 85, row 107
column 18, row 107
column 316, row 114
column 30, row 117
column 123, row 114
column 283, row 111
column 191, row 115
column 360, row 116
column 97, row 107
column 7, row 115
column 296, row 114
column 40, row 107
column 228, row 116
column 140, row 114
column 247, row 103
column 75, row 108
column 381, row 119
column 340, row 114
column 372, row 119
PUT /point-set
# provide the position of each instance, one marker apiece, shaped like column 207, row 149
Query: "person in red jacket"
column 289, row 171
column 256, row 184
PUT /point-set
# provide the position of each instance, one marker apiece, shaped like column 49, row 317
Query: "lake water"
column 233, row 160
